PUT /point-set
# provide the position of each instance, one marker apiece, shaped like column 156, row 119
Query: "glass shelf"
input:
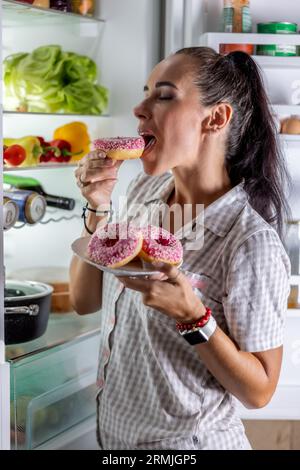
column 44, row 166
column 20, row 113
column 22, row 14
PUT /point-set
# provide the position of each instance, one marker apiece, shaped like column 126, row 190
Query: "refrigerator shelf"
column 76, row 115
column 282, row 63
column 19, row 14
column 286, row 110
column 294, row 138
column 44, row 166
column 215, row 39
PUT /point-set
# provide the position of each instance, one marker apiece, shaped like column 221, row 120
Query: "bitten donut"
column 121, row 148
column 115, row 245
column 160, row 245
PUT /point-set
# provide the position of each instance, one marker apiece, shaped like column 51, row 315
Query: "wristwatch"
column 200, row 334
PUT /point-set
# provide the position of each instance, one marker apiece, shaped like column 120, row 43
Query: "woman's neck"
column 203, row 182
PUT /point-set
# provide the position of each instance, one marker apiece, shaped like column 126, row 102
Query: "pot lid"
column 25, row 290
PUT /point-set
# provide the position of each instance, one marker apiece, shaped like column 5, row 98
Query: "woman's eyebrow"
column 159, row 84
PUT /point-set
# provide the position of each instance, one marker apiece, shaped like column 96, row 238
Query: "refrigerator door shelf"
column 18, row 14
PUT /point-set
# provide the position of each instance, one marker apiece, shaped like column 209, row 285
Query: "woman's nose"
column 141, row 111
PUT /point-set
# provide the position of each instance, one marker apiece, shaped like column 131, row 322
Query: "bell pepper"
column 32, row 147
column 76, row 134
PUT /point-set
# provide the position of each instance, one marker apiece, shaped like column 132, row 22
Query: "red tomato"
column 14, row 155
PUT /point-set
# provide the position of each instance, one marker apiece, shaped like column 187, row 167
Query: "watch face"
column 195, row 337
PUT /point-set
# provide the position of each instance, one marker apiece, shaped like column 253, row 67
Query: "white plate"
column 134, row 268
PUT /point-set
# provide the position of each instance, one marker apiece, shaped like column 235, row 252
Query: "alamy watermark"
column 187, row 221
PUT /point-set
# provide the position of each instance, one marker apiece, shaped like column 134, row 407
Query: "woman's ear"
column 218, row 118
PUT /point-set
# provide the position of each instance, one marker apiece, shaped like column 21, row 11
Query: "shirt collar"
column 219, row 216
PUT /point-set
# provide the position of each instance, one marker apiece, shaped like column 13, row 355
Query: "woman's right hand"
column 96, row 177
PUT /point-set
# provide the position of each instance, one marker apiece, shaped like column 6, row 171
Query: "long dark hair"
column 253, row 151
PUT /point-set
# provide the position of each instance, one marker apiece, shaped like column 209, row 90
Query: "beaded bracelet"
column 98, row 213
column 197, row 324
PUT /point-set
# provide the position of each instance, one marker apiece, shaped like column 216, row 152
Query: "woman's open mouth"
column 150, row 141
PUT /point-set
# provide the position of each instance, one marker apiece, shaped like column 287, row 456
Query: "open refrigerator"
column 126, row 38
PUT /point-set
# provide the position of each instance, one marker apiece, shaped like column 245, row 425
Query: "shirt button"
column 112, row 322
column 106, row 353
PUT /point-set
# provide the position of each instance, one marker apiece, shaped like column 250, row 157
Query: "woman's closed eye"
column 162, row 98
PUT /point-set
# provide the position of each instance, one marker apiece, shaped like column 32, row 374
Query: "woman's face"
column 171, row 116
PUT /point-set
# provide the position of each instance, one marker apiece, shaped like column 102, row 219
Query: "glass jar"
column 292, row 244
column 82, row 7
column 61, row 5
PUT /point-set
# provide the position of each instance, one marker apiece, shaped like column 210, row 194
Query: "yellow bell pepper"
column 32, row 148
column 76, row 134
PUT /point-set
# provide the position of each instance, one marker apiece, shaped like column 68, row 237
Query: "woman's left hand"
column 169, row 292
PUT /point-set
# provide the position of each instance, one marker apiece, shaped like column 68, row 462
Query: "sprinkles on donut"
column 121, row 148
column 159, row 245
column 115, row 245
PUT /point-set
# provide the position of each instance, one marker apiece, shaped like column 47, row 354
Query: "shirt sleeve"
column 257, row 290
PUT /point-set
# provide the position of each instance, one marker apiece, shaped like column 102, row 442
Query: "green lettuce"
column 52, row 81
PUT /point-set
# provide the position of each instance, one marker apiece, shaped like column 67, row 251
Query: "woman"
column 212, row 126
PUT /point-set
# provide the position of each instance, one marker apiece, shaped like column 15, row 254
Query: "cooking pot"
column 26, row 310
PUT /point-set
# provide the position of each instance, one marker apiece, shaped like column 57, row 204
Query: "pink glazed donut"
column 160, row 245
column 121, row 148
column 114, row 245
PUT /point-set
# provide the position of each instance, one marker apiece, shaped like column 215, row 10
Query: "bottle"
column 61, row 5
column 242, row 21
column 228, row 14
column 32, row 206
column 10, row 213
column 82, row 7
column 32, row 184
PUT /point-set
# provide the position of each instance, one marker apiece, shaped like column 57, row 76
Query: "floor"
column 273, row 435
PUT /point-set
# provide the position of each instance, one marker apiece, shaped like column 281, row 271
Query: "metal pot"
column 26, row 310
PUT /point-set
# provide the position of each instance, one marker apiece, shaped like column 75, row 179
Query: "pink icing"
column 119, row 143
column 160, row 244
column 112, row 243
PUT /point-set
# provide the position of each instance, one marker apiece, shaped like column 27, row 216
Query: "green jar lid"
column 275, row 27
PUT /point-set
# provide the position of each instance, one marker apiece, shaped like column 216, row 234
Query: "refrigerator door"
column 184, row 21
column 126, row 48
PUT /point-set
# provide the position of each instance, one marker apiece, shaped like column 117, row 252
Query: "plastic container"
column 279, row 50
column 53, row 391
column 227, row 48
